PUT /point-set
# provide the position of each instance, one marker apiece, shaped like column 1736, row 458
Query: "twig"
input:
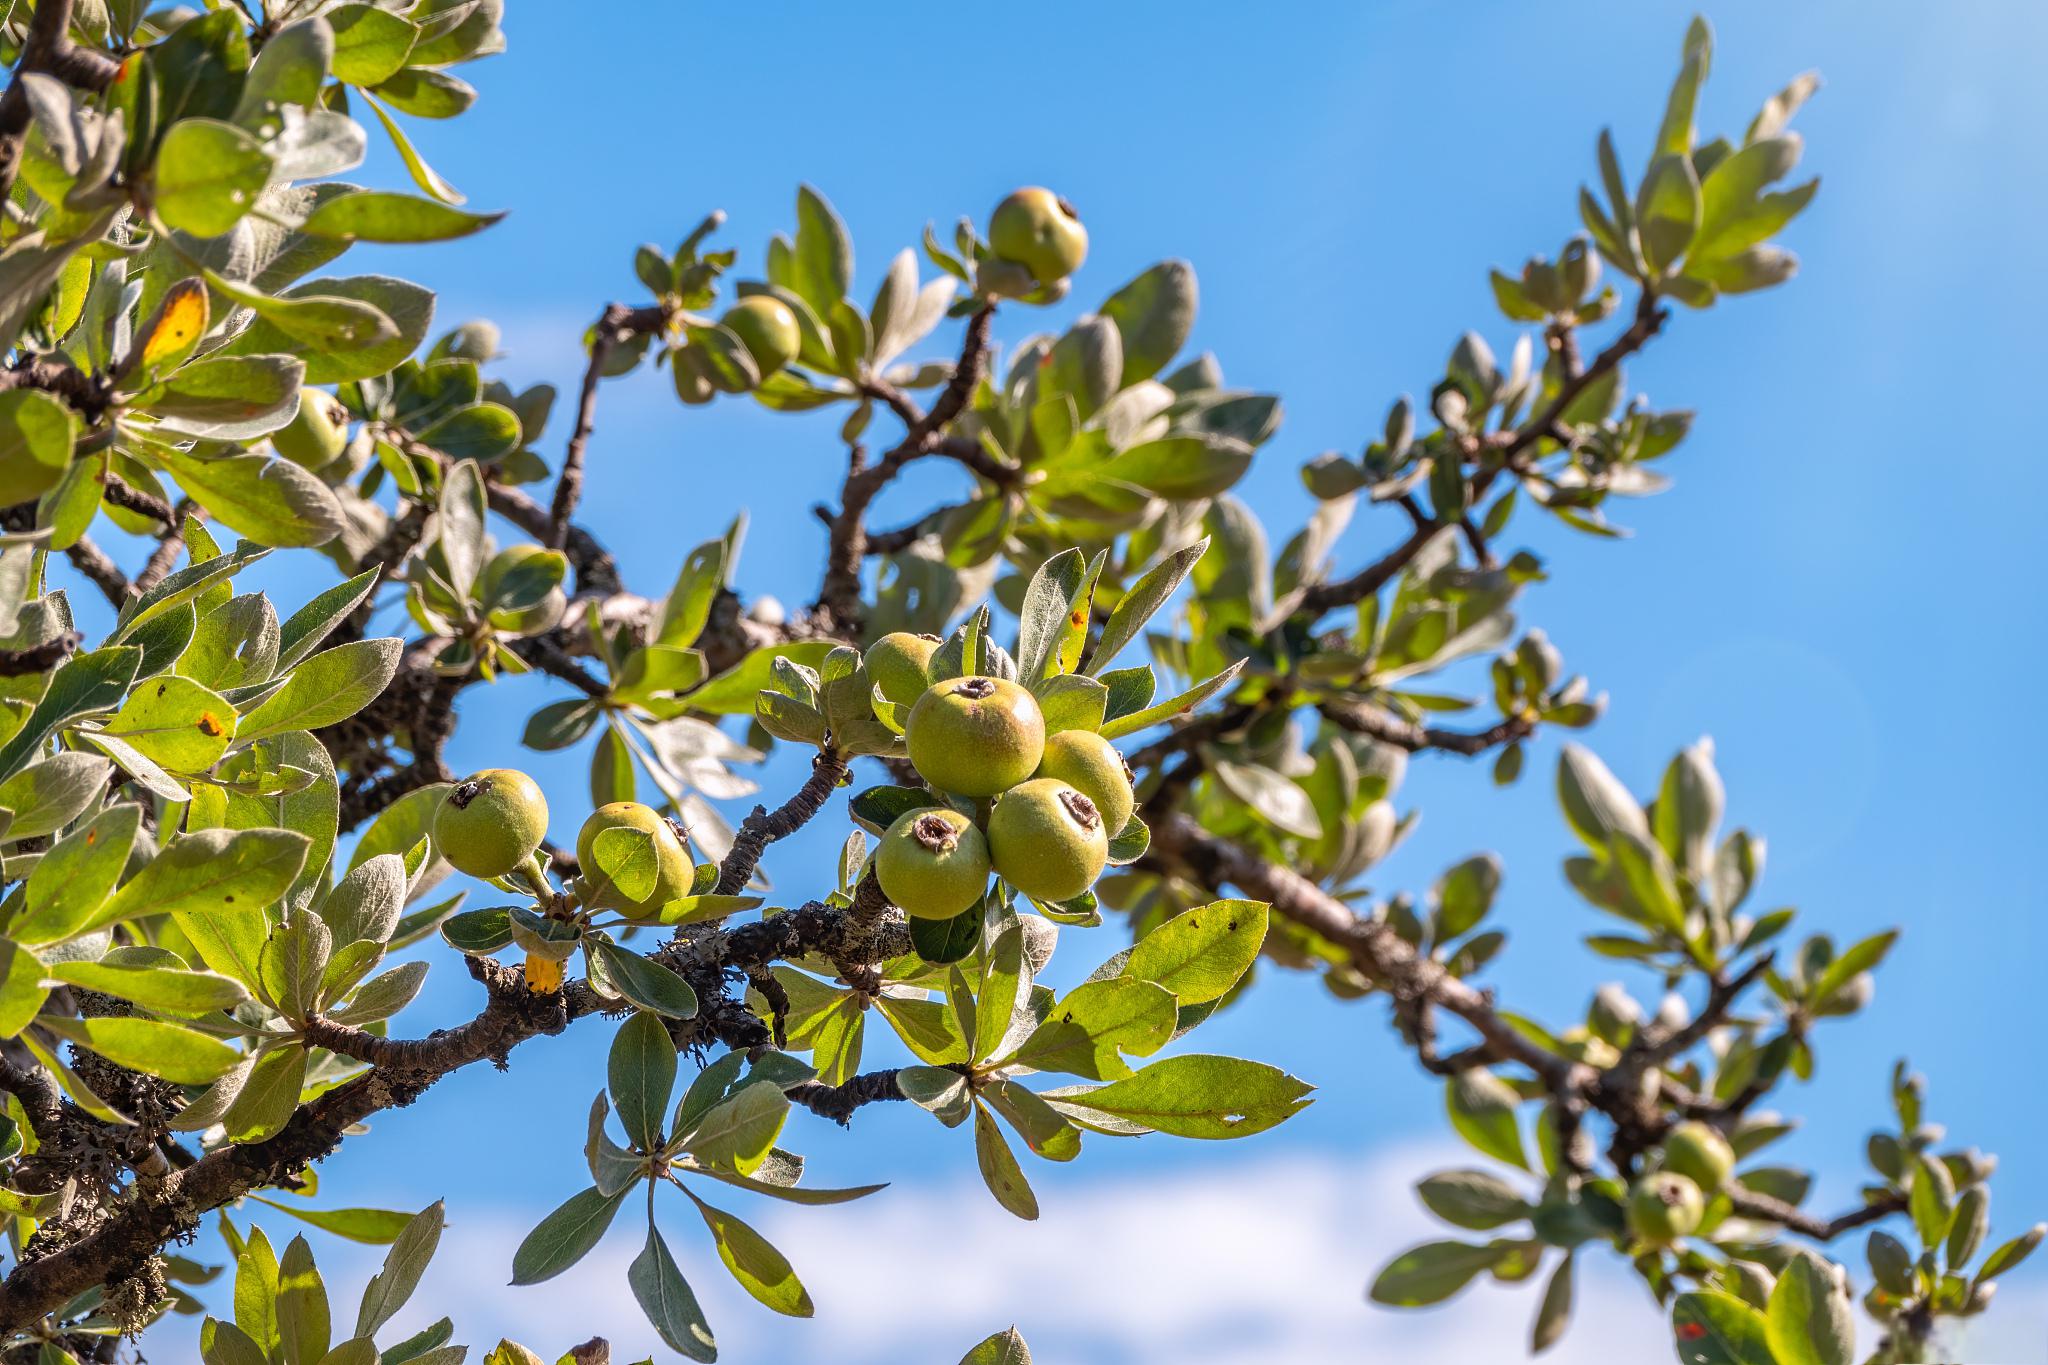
column 763, row 827
column 90, row 560
column 20, row 663
column 123, row 494
column 1361, row 718
column 615, row 325
column 837, row 1102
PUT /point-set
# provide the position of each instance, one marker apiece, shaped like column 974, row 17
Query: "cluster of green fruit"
column 1668, row 1204
column 1045, row 807
column 491, row 825
column 1035, row 241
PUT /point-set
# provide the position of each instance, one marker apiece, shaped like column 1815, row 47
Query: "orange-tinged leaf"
column 181, row 319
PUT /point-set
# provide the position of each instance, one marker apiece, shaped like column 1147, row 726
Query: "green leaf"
column 51, row 793
column 371, row 1227
column 330, row 686
column 665, row 1297
column 1145, row 597
column 821, row 265
column 171, row 1051
column 642, row 1074
column 1201, row 953
column 271, row 501
column 268, row 1097
column 216, row 883
column 36, row 436
column 370, row 44
column 1472, row 1200
column 384, row 216
column 1430, row 1273
column 1053, row 596
column 1005, row 980
column 1854, row 961
column 75, row 878
column 1668, row 210
column 409, row 306
column 565, row 1236
column 999, row 1168
column 646, row 983
column 1931, row 1201
column 1184, row 704
column 1154, row 314
column 177, row 723
column 1808, row 1321
column 1719, row 1329
column 1202, row 1096
column 165, row 990
column 2011, row 1253
column 407, row 1260
column 1004, row 1348
column 1482, row 1109
column 1095, row 1022
column 423, row 175
column 739, row 1131
column 22, row 991
column 1182, row 468
column 86, row 683
column 208, row 175
column 1278, row 800
column 760, row 1269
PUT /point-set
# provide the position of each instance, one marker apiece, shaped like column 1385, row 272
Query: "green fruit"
column 1092, row 766
column 1040, row 231
column 1700, row 1154
column 492, row 822
column 975, row 736
column 673, row 870
column 538, row 614
column 1047, row 839
column 1664, row 1208
column 767, row 328
column 933, row 863
column 318, row 434
column 897, row 664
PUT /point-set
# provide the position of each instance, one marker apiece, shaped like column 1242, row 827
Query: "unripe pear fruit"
column 1092, row 766
column 1700, row 1154
column 767, row 328
column 975, row 736
column 1664, row 1208
column 897, row 662
column 318, row 434
column 1040, row 231
column 934, row 863
column 490, row 823
column 529, row 620
column 673, row 871
column 1047, row 839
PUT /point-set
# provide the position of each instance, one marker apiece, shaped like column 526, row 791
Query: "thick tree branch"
column 90, row 560
column 19, row 663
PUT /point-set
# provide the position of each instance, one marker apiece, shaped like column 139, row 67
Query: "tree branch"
column 1766, row 1208
column 763, row 827
column 48, row 49
column 837, row 1102
column 615, row 325
column 846, row 547
column 1365, row 719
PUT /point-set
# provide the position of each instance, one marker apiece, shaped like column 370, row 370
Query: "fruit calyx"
column 1081, row 808
column 974, row 689
column 466, row 792
column 935, row 833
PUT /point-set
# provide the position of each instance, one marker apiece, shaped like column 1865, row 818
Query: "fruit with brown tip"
column 673, row 869
column 1047, row 839
column 934, row 863
column 975, row 736
column 1092, row 766
column 1041, row 232
column 490, row 823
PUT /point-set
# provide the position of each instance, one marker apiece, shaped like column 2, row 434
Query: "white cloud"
column 1223, row 1263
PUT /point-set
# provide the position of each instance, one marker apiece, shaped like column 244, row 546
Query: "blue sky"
column 1837, row 590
